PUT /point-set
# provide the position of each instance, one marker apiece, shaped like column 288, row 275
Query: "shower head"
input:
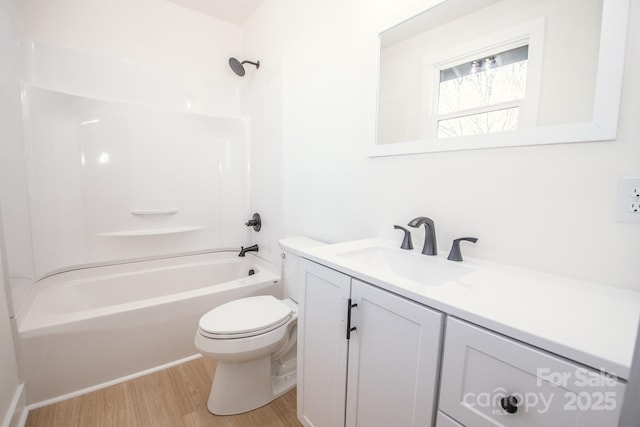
column 238, row 66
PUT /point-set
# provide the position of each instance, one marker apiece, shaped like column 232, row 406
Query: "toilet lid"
column 245, row 317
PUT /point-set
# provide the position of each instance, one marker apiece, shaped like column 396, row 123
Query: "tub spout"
column 244, row 250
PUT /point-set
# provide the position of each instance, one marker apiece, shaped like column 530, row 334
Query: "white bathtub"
column 83, row 328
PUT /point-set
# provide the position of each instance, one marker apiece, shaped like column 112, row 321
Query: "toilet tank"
column 291, row 248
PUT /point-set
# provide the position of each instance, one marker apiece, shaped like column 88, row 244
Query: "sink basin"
column 414, row 266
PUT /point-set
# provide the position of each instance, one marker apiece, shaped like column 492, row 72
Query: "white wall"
column 153, row 32
column 8, row 365
column 145, row 51
column 263, row 103
column 9, row 138
column 549, row 208
column 13, row 176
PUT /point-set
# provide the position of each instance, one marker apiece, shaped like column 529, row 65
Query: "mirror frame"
column 604, row 120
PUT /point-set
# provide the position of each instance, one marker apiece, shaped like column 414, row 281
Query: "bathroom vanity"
column 393, row 337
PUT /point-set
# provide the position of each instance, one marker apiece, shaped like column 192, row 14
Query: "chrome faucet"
column 430, row 246
column 244, row 250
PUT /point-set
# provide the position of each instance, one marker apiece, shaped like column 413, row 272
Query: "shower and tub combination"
column 136, row 208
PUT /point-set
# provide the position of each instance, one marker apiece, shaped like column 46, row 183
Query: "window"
column 488, row 85
column 484, row 95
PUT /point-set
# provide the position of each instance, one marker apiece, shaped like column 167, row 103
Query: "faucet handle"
column 406, row 240
column 456, row 254
column 255, row 222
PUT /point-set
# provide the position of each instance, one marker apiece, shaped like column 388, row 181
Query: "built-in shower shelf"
column 152, row 232
column 146, row 212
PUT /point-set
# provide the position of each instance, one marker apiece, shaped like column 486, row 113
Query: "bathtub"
column 87, row 328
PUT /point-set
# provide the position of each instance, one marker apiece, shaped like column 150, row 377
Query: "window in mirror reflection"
column 483, row 95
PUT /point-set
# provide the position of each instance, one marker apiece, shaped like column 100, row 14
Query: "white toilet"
column 254, row 341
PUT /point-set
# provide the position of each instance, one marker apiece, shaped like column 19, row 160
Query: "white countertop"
column 589, row 323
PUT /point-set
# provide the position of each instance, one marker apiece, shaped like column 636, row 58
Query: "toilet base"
column 244, row 386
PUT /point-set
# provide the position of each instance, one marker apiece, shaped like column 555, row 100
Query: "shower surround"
column 113, row 181
column 124, row 160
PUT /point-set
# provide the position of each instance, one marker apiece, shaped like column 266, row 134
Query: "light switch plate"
column 628, row 200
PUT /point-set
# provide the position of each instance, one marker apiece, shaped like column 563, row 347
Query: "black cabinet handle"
column 509, row 404
column 349, row 328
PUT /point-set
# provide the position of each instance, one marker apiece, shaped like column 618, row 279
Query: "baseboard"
column 17, row 413
column 110, row 383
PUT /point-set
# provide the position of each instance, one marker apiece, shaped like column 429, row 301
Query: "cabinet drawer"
column 482, row 369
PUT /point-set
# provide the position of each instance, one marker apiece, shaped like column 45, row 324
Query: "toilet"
column 254, row 341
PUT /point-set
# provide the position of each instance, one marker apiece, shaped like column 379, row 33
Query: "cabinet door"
column 393, row 360
column 322, row 345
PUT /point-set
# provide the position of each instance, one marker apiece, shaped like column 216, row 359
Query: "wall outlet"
column 628, row 205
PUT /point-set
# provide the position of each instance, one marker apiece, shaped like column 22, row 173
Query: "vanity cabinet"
column 501, row 351
column 366, row 357
column 482, row 372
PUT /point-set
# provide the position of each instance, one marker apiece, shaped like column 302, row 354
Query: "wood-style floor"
column 173, row 397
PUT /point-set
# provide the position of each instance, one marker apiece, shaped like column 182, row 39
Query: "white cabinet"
column 481, row 370
column 322, row 346
column 391, row 358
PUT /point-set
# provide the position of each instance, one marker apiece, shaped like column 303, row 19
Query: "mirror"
column 471, row 74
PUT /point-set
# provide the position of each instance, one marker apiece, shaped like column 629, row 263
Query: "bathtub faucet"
column 244, row 250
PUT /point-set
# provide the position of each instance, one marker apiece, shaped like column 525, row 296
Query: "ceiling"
column 234, row 11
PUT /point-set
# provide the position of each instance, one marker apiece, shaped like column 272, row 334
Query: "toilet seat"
column 245, row 317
